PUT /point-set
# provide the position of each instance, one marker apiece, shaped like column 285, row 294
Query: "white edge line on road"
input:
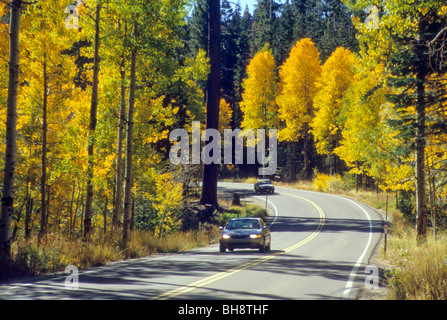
column 354, row 270
column 274, row 207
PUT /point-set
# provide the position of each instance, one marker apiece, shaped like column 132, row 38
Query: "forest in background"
column 354, row 105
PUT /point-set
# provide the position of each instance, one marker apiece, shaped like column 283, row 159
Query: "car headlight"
column 255, row 236
column 225, row 236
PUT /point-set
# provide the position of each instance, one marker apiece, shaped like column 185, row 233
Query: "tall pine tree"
column 264, row 18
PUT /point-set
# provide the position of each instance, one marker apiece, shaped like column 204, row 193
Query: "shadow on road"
column 147, row 278
column 306, row 224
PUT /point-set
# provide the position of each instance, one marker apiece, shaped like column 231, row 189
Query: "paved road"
column 320, row 248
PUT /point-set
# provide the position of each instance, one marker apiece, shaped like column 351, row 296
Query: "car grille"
column 239, row 237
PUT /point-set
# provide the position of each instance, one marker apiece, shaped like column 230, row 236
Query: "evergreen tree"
column 243, row 43
column 230, row 21
column 338, row 29
column 264, row 18
column 282, row 41
column 309, row 16
column 198, row 28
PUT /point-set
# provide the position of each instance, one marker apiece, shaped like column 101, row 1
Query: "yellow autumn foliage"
column 167, row 200
column 336, row 77
column 225, row 115
column 298, row 76
column 258, row 99
column 326, row 183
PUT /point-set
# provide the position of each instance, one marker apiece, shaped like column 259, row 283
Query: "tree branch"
column 437, row 36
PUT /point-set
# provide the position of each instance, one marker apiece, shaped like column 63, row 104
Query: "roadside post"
column 386, row 224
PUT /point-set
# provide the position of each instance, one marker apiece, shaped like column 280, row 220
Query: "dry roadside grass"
column 57, row 251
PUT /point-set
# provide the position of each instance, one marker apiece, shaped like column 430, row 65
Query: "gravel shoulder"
column 382, row 292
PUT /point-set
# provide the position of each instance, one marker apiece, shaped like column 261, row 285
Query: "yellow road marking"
column 224, row 274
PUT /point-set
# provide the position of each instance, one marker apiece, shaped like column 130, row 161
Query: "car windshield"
column 266, row 181
column 244, row 224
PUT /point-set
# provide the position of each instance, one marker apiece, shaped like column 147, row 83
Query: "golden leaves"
column 166, row 201
column 258, row 100
column 336, row 77
column 298, row 77
column 225, row 115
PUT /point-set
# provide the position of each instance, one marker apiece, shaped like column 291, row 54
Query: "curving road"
column 321, row 245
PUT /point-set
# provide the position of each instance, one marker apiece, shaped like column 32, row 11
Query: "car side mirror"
column 220, row 228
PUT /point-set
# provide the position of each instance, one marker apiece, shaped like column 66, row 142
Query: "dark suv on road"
column 264, row 186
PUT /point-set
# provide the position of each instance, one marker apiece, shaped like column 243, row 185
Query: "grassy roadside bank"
column 57, row 251
column 29, row 258
column 411, row 271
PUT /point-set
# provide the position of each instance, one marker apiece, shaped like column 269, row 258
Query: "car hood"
column 241, row 232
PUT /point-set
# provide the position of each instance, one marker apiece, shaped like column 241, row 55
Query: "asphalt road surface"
column 321, row 245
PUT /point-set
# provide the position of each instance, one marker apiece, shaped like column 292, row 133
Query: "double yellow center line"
column 203, row 282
